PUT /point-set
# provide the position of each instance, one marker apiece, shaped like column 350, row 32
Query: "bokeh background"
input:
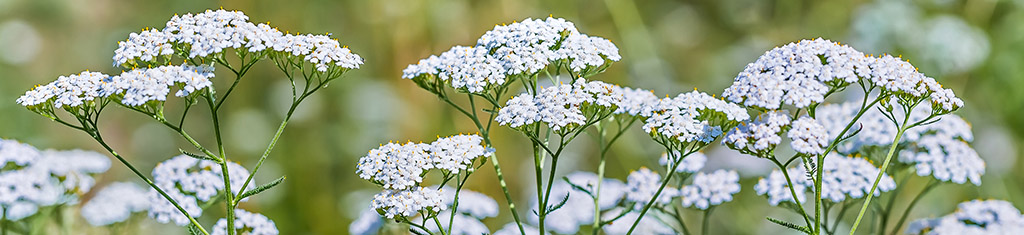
column 975, row 47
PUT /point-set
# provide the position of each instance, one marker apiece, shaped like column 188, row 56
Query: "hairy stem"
column 864, row 107
column 796, row 199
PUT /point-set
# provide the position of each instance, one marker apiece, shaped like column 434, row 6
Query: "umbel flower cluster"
column 181, row 58
column 33, row 179
column 836, row 148
column 399, row 169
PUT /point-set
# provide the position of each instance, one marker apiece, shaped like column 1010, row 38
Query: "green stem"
column 931, row 185
column 538, row 170
column 650, row 203
column 704, row 224
column 266, row 153
column 192, row 220
column 885, row 165
column 864, row 107
column 438, row 223
column 229, row 204
column 679, row 218
column 3, row 221
column 600, row 169
column 796, row 199
column 839, row 217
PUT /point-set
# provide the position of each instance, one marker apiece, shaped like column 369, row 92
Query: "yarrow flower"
column 401, row 166
column 368, row 223
column 973, row 217
column 690, row 164
column 562, row 107
column 406, row 203
column 809, row 137
column 462, row 224
column 521, row 48
column 758, row 135
column 133, row 88
column 213, row 31
column 900, row 77
column 710, row 189
column 579, row 205
column 776, row 188
column 647, row 225
column 468, row 68
column 472, row 203
column 115, row 203
column 190, row 181
column 31, row 179
column 842, row 177
column 939, row 149
column 250, row 223
column 798, row 74
column 692, row 117
column 641, row 185
column 513, row 229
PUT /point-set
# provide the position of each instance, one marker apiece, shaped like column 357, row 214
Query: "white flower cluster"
column 898, row 76
column 562, row 107
column 462, row 224
column 809, row 136
column 469, row 68
column 685, row 117
column 777, row 189
column 513, row 229
column 713, row 189
column 115, row 203
column 399, row 168
column 982, row 217
column 472, row 203
column 519, row 48
column 211, row 32
column 842, row 177
column 798, row 74
column 406, row 203
column 636, row 102
column 31, row 179
column 579, row 205
column 690, row 164
column 133, row 88
column 647, row 225
column 939, row 149
column 802, row 73
column 369, row 222
column 190, row 181
column 758, row 135
column 641, row 185
column 250, row 223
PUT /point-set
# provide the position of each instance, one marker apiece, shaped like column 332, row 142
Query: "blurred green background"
column 975, row 47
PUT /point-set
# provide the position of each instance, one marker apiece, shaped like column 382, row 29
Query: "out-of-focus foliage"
column 975, row 47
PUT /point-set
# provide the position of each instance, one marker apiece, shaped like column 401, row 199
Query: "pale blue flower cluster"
column 690, row 164
column 31, row 179
column 842, row 177
column 712, row 189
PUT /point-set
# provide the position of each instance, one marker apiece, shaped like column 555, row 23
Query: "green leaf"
column 198, row 156
column 193, row 230
column 789, row 225
column 261, row 188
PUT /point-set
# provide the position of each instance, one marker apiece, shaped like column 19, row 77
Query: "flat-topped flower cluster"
column 399, row 169
column 31, row 179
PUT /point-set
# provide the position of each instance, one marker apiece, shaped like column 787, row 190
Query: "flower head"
column 562, row 107
column 798, row 74
column 190, row 181
column 401, row 166
column 464, row 68
column 641, row 185
column 406, row 203
column 809, row 137
column 115, row 203
column 758, row 135
column 251, row 223
column 472, row 203
column 690, row 164
column 776, row 188
column 69, row 91
column 974, row 217
column 710, row 189
column 692, row 117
